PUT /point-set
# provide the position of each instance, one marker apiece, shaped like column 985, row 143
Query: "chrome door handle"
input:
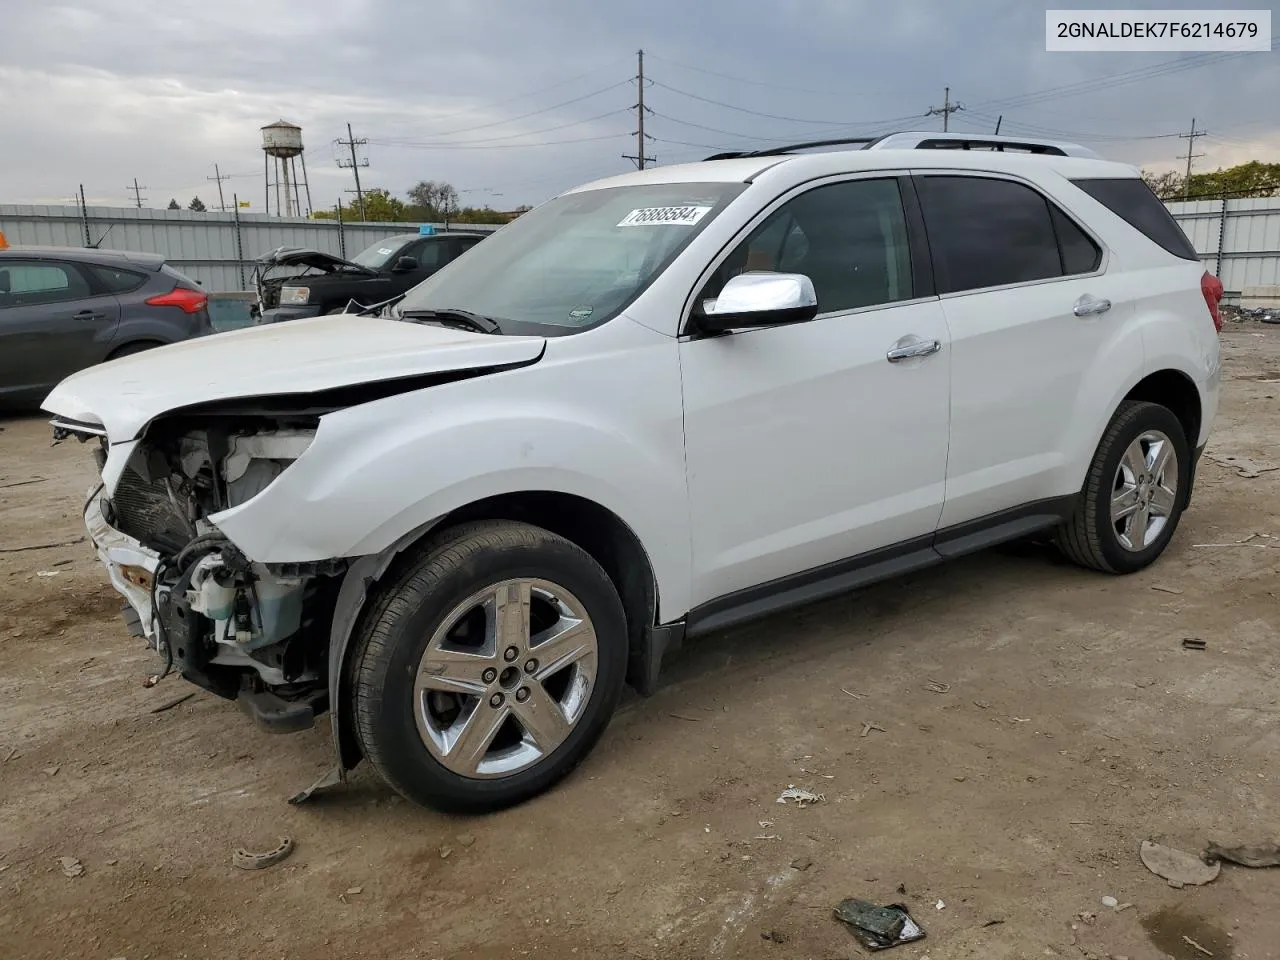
column 1088, row 306
column 909, row 351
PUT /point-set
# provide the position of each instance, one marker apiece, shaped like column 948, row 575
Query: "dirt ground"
column 1033, row 723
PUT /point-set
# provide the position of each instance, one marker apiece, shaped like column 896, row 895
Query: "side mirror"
column 405, row 264
column 759, row 300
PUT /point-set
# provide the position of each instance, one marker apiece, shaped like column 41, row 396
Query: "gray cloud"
column 100, row 92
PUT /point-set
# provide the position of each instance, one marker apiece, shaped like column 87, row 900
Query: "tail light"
column 1211, row 287
column 188, row 301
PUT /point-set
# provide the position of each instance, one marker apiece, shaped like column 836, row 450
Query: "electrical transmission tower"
column 355, row 164
column 945, row 110
column 639, row 157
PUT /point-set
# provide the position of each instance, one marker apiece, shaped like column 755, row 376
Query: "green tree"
column 196, row 204
column 1166, row 186
column 1252, row 179
column 173, row 205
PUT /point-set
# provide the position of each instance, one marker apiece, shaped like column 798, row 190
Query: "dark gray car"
column 64, row 308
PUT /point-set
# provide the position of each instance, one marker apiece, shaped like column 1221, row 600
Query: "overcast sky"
column 485, row 94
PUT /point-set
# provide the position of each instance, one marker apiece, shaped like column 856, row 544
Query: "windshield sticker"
column 664, row 216
column 581, row 313
column 385, row 251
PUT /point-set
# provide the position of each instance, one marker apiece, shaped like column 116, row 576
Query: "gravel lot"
column 1033, row 723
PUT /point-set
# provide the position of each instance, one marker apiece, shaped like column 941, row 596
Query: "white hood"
column 298, row 357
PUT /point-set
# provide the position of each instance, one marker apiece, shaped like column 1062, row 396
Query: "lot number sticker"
column 664, row 216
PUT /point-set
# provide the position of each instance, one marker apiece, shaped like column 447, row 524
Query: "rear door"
column 1031, row 311
column 54, row 320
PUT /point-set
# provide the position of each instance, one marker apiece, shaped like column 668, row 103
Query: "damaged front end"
column 253, row 632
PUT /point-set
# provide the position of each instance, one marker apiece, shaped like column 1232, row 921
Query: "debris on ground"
column 868, row 727
column 446, row 852
column 774, row 936
column 801, row 863
column 466, row 839
column 1163, row 589
column 71, row 867
column 800, row 795
column 1111, row 902
column 856, row 696
column 939, row 905
column 244, row 860
column 1247, row 542
column 1192, row 643
column 1196, row 946
column 173, row 703
column 46, row 573
column 1179, row 868
column 937, row 686
column 876, row 927
column 1249, row 855
column 993, row 923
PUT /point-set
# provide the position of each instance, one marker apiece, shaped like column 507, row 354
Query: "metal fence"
column 218, row 249
column 1239, row 240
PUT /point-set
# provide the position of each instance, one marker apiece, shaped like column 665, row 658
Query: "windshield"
column 577, row 260
column 376, row 257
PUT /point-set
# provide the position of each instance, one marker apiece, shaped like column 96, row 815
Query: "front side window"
column 378, row 255
column 849, row 238
column 575, row 261
column 26, row 282
column 428, row 253
column 987, row 233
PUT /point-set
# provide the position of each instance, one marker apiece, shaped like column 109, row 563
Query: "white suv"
column 652, row 407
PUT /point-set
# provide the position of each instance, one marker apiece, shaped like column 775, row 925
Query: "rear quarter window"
column 1130, row 199
column 116, row 280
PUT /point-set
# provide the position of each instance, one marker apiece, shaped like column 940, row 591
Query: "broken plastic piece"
column 1193, row 643
column 1252, row 855
column 331, row 779
column 1179, row 868
column 245, row 860
column 878, row 928
column 800, row 795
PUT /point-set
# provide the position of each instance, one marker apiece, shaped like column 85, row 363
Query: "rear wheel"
column 490, row 670
column 1134, row 494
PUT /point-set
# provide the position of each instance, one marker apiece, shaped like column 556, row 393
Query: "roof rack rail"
column 928, row 141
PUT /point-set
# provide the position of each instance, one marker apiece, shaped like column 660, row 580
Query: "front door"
column 806, row 444
column 52, row 323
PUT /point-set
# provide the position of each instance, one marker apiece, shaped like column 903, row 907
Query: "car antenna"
column 97, row 243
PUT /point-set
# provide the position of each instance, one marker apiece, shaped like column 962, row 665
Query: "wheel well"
column 597, row 530
column 134, row 346
column 1178, row 393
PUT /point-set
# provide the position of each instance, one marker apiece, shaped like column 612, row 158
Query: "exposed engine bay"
column 243, row 630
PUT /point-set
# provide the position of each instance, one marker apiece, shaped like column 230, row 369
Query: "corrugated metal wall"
column 1243, row 248
column 218, row 249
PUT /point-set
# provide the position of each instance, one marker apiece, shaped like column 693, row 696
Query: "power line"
column 494, row 146
column 758, row 83
column 355, row 164
column 640, row 108
column 507, row 136
column 524, row 116
column 1191, row 154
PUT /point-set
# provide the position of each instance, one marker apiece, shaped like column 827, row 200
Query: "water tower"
column 281, row 151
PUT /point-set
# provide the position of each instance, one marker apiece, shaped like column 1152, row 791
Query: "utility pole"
column 999, row 120
column 945, row 110
column 137, row 193
column 355, row 164
column 222, row 205
column 1191, row 154
column 640, row 109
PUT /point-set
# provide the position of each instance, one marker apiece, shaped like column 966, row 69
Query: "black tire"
column 1088, row 538
column 392, row 638
column 129, row 349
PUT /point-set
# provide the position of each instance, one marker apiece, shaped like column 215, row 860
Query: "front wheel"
column 490, row 669
column 1134, row 494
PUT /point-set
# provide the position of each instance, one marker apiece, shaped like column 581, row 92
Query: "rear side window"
column 118, row 281
column 1130, row 199
column 1079, row 253
column 987, row 233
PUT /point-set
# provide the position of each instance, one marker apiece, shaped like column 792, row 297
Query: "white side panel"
column 598, row 417
column 807, row 446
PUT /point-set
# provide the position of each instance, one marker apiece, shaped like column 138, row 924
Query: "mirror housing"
column 405, row 264
column 759, row 299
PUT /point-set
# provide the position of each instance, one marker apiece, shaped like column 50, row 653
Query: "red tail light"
column 188, row 301
column 1211, row 287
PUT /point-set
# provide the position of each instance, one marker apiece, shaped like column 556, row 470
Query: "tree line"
column 1253, row 179
column 428, row 201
